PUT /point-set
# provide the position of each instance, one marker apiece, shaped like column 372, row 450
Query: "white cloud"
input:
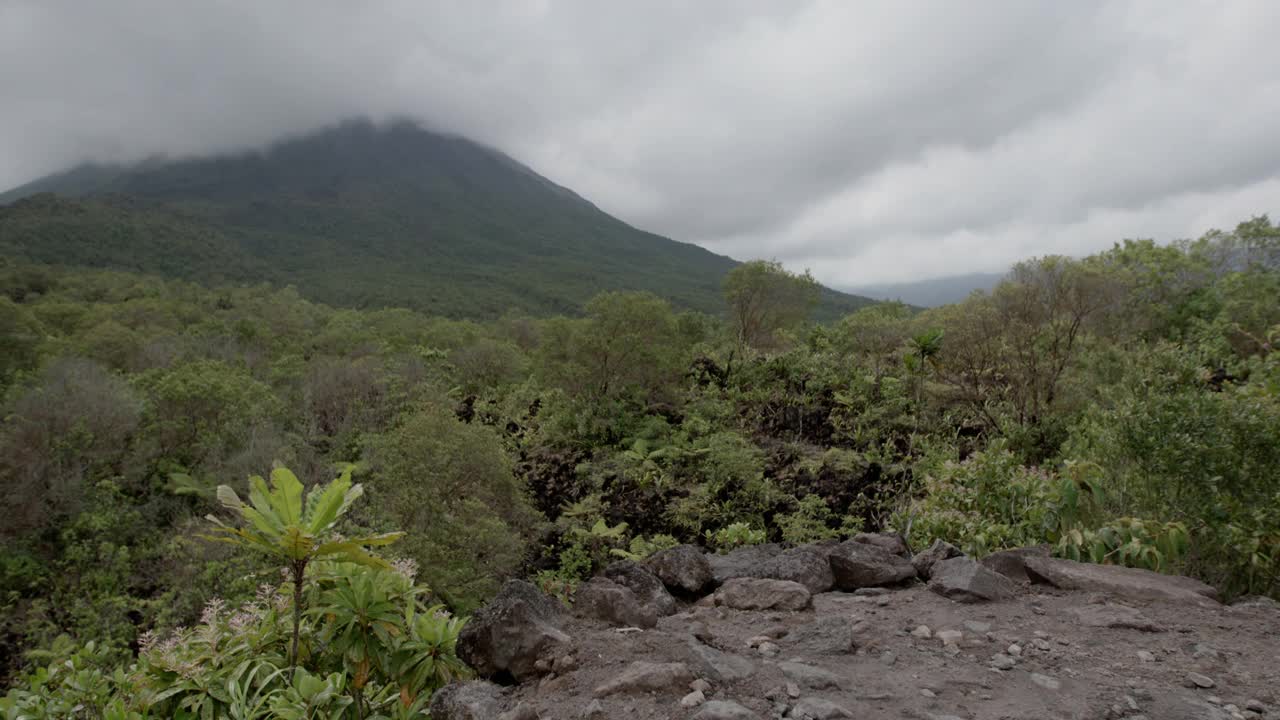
column 868, row 141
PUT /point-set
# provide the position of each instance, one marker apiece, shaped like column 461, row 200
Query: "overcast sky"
column 867, row 141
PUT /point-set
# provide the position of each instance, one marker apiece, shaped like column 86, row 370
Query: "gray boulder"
column 604, row 599
column 813, row 708
column 648, row 589
column 858, row 565
column 1107, row 615
column 1013, row 563
column 763, row 594
column 811, row 676
column 965, row 580
column 1131, row 583
column 476, row 700
column 510, row 633
column 717, row 665
column 940, row 550
column 805, row 565
column 831, row 635
column 724, row 710
column 643, row 677
column 683, row 569
column 892, row 542
column 741, row 562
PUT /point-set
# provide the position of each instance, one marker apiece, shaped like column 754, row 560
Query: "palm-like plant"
column 279, row 523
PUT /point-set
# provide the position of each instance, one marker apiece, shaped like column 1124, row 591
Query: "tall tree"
column 765, row 298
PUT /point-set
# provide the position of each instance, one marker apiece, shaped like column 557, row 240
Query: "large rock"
column 648, row 589
column 476, row 700
column 742, row 562
column 815, row 708
column 858, row 565
column 1013, row 563
column 811, row 676
column 1131, row 583
column 717, row 665
column 604, row 599
column 683, row 569
column 1108, row 615
column 724, row 710
column 643, row 677
column 510, row 633
column 891, row 542
column 940, row 550
column 1256, row 601
column 763, row 594
column 965, row 580
column 804, row 565
column 831, row 635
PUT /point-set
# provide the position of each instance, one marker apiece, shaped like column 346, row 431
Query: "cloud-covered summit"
column 871, row 142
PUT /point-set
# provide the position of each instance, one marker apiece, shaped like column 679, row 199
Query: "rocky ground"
column 863, row 630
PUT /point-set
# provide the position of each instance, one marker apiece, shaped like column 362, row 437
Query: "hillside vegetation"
column 363, row 216
column 1123, row 408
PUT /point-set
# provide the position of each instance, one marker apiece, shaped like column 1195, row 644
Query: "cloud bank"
column 870, row 142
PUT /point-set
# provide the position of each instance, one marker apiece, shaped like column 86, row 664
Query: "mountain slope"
column 363, row 216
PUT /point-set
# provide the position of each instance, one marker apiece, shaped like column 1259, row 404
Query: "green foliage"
column 1120, row 408
column 451, row 487
column 765, row 299
column 810, row 522
column 734, row 535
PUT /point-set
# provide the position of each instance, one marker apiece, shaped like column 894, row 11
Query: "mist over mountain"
column 362, row 215
column 932, row 292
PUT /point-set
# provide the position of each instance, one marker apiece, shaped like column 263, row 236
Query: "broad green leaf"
column 286, row 497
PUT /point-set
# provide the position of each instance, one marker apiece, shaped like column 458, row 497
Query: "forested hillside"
column 1123, row 408
column 363, row 216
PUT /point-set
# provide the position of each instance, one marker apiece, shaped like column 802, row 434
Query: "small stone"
column 1042, row 644
column 700, row 685
column 755, row 642
column 949, row 637
column 693, row 699
column 1046, row 682
column 1146, row 656
column 923, row 632
column 928, row 693
column 1254, row 705
column 594, row 710
column 793, row 690
column 1213, row 700
column 1200, row 681
column 1015, row 650
column 1133, row 704
column 1000, row 661
column 974, row 626
column 888, row 658
column 768, row 649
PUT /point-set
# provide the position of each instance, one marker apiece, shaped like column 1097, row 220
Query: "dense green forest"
column 363, row 215
column 1124, row 408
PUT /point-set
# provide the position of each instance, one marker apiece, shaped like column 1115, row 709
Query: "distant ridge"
column 363, row 215
column 933, row 292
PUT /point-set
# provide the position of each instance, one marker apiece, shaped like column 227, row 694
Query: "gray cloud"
column 867, row 141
